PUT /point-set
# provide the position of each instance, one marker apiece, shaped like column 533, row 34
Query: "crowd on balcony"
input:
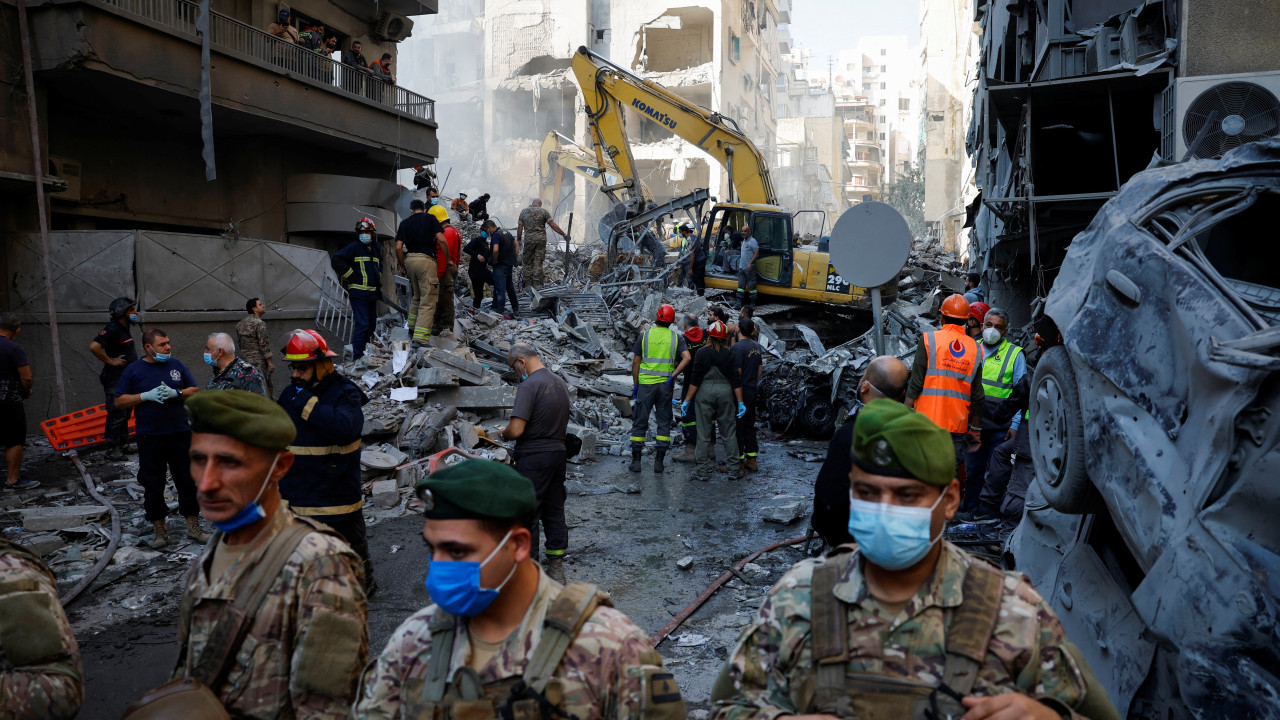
column 313, row 38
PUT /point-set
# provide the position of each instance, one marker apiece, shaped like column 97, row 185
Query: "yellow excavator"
column 560, row 153
column 783, row 271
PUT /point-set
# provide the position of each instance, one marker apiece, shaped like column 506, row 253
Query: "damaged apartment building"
column 500, row 73
column 192, row 213
column 1076, row 96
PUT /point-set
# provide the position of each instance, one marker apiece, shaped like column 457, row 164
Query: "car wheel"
column 817, row 417
column 1057, row 435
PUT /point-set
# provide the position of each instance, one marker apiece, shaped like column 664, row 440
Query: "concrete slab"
column 473, row 398
column 468, row 372
column 434, row 377
column 58, row 518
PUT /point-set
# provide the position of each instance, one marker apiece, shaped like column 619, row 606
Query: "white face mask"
column 991, row 336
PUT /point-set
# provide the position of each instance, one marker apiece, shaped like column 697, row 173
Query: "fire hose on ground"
column 684, row 614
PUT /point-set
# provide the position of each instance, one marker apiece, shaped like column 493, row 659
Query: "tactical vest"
column 953, row 364
column 532, row 696
column 997, row 380
column 865, row 696
column 658, row 349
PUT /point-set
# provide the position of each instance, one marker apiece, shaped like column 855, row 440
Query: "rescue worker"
column 424, row 177
column 459, row 206
column 255, row 342
column 447, row 300
column 229, row 371
column 16, row 382
column 539, row 422
column 716, row 375
column 531, row 233
column 40, row 670
column 324, row 481
column 306, row 626
column 694, row 339
column 748, row 360
column 1002, row 367
column 418, row 242
column 114, row 347
column 501, row 639
column 158, row 385
column 658, row 356
column 977, row 314
column 946, row 379
column 479, row 252
column 359, row 268
column 698, row 261
column 885, row 377
column 903, row 625
column 504, row 252
column 973, row 290
column 436, row 208
column 479, row 208
column 748, row 254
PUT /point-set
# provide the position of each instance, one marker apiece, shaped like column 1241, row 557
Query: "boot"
column 686, row 456
column 162, row 534
column 658, row 456
column 194, row 530
column 751, row 463
column 635, row 460
column 554, row 565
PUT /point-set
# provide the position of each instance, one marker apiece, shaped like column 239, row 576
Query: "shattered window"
column 1238, row 249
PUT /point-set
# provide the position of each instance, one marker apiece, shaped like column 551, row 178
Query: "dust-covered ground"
column 625, row 541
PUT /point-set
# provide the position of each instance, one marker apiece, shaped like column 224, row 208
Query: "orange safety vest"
column 953, row 363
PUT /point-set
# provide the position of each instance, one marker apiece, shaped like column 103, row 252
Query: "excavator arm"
column 560, row 153
column 608, row 88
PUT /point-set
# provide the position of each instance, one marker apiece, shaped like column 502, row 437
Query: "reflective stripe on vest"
column 360, row 262
column 953, row 365
column 997, row 372
column 658, row 361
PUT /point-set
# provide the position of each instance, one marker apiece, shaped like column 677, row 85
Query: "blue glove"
column 155, row 394
column 635, row 392
column 684, row 408
column 742, row 409
column 671, row 381
column 675, row 402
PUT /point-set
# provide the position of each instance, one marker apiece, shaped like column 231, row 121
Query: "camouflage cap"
column 245, row 416
column 890, row 438
column 477, row 489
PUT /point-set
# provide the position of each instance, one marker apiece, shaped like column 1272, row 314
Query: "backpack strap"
column 234, row 622
column 828, row 634
column 971, row 626
column 568, row 613
column 443, row 632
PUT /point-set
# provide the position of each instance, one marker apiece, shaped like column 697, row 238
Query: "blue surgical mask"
column 133, row 317
column 435, row 201
column 366, row 238
column 163, row 357
column 484, row 234
column 454, row 585
column 208, row 360
column 251, row 513
column 892, row 536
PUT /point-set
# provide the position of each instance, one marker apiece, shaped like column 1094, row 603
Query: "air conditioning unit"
column 1215, row 113
column 68, row 170
column 393, row 26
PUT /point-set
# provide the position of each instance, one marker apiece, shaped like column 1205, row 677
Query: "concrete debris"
column 785, row 509
column 59, row 518
column 477, row 398
column 685, row 563
column 386, row 494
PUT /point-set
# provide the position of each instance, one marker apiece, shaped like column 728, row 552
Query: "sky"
column 827, row 26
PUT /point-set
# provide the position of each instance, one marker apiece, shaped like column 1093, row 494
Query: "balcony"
column 131, row 54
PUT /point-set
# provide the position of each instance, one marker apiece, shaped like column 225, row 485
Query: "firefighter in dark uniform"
column 114, row 346
column 324, row 482
column 359, row 267
column 694, row 338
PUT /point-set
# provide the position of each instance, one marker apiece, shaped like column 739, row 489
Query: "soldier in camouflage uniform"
column 308, row 639
column 255, row 342
column 503, row 637
column 40, row 676
column 902, row 625
column 531, row 236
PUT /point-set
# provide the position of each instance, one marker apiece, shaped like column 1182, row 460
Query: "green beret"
column 245, row 416
column 478, row 489
column 890, row 438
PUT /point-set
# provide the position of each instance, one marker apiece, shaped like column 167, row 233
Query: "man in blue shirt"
column 157, row 385
column 750, row 252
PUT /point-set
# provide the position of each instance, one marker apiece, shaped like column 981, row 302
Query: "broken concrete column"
column 476, row 398
column 468, row 372
column 434, row 377
column 59, row 518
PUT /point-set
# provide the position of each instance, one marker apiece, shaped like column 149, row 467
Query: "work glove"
column 671, row 381
column 675, row 402
column 156, row 394
column 684, row 408
column 635, row 392
column 742, row 409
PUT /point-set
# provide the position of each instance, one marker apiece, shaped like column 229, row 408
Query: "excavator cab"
column 771, row 227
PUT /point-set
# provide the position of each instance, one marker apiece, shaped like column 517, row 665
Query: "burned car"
column 1156, row 442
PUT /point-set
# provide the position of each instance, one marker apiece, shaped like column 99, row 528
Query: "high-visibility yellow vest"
column 997, row 370
column 658, row 355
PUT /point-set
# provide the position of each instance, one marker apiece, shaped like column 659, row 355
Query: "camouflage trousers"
column 534, row 256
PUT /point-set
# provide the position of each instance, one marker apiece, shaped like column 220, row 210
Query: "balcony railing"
column 232, row 37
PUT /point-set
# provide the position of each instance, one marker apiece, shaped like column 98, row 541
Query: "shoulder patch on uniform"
column 663, row 688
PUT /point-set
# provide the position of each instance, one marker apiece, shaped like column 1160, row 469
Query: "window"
column 904, row 105
column 881, row 136
column 735, row 48
column 848, row 66
column 883, row 85
column 882, row 102
column 883, row 68
column 882, row 119
column 599, row 36
column 883, row 52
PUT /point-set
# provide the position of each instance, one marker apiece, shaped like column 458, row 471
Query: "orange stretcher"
column 80, row 429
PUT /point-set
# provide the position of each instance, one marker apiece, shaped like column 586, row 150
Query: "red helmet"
column 956, row 307
column 978, row 311
column 718, row 330
column 666, row 313
column 307, row 345
column 366, row 224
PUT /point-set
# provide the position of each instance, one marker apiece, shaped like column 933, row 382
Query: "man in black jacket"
column 479, row 208
column 1010, row 472
column 885, row 377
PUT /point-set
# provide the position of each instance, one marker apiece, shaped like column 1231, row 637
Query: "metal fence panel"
column 90, row 269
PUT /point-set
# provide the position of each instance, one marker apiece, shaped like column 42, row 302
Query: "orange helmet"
column 718, row 330
column 956, row 307
column 666, row 313
column 307, row 345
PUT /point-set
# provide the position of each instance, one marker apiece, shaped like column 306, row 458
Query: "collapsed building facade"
column 499, row 70
column 1076, row 96
column 190, row 210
